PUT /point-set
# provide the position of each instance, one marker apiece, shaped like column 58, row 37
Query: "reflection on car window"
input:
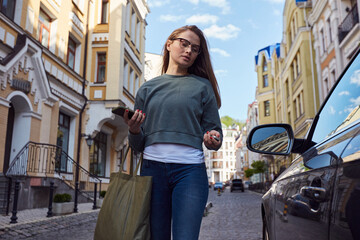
column 342, row 108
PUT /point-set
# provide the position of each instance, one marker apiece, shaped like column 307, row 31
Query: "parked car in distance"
column 247, row 184
column 218, row 185
column 317, row 196
column 236, row 184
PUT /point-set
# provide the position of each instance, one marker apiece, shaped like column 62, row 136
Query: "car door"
column 345, row 221
column 304, row 193
column 315, row 189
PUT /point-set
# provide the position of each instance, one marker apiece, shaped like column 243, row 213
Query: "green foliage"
column 228, row 122
column 102, row 194
column 60, row 198
column 258, row 166
column 249, row 172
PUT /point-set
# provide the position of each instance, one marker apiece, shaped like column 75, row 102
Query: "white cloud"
column 220, row 72
column 355, row 101
column 158, row 3
column 170, row 18
column 344, row 93
column 355, row 78
column 196, row 2
column 223, row 4
column 202, row 19
column 276, row 1
column 220, row 51
column 224, row 33
column 332, row 110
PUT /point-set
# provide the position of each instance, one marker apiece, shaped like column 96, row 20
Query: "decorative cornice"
column 316, row 11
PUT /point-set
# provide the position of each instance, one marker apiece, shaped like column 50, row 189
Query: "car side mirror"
column 274, row 139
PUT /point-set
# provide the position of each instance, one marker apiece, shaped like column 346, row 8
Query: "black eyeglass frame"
column 189, row 44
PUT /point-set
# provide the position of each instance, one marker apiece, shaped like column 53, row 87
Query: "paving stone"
column 233, row 216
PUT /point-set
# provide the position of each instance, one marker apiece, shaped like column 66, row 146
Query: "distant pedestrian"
column 175, row 114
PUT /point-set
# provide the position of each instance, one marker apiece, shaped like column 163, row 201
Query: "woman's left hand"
column 209, row 140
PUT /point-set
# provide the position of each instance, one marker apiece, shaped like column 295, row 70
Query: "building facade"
column 57, row 92
column 220, row 164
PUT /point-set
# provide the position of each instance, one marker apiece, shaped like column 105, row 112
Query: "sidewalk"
column 39, row 214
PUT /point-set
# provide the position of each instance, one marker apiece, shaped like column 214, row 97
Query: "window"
column 265, row 66
column 333, row 77
column 126, row 75
column 62, row 141
column 287, row 89
column 138, row 26
column 133, row 25
column 267, row 108
column 322, row 45
column 44, row 28
column 342, row 108
column 326, row 86
column 298, row 63
column 265, row 80
column 298, row 104
column 104, row 11
column 128, row 9
column 329, row 30
column 7, row 7
column 137, row 84
column 98, row 155
column 71, row 53
column 101, row 67
column 131, row 81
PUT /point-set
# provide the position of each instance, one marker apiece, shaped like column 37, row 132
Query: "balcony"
column 349, row 22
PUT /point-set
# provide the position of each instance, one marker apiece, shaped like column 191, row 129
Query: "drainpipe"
column 80, row 115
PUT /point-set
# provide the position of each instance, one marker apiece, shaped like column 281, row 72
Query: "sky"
column 235, row 29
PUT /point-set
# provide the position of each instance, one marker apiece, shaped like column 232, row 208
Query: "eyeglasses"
column 184, row 44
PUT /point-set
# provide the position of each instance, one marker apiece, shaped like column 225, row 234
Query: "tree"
column 229, row 122
column 249, row 172
column 258, row 166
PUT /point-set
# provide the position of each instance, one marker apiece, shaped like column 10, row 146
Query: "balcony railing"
column 46, row 160
column 349, row 22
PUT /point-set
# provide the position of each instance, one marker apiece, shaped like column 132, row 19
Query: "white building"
column 153, row 64
column 221, row 164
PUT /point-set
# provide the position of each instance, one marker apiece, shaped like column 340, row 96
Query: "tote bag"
column 125, row 212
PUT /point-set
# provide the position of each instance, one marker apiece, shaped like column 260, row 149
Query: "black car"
column 318, row 195
column 236, row 184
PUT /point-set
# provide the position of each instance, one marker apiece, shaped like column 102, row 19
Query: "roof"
column 268, row 51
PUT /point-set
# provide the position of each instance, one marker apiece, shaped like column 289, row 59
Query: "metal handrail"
column 45, row 159
column 348, row 23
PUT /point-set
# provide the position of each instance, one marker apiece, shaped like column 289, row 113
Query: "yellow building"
column 115, row 71
column 57, row 92
column 292, row 91
column 300, row 100
column 265, row 94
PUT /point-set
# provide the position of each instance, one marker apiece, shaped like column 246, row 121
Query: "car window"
column 342, row 108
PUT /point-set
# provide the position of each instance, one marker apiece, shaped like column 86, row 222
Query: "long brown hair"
column 202, row 66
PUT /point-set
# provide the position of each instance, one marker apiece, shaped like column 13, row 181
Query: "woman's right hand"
column 135, row 122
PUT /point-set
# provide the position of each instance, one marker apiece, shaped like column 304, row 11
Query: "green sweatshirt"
column 178, row 109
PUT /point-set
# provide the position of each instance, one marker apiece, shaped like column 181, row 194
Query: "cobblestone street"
column 233, row 216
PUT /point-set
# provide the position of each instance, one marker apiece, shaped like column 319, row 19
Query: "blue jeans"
column 179, row 196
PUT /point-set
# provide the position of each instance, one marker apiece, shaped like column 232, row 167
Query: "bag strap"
column 131, row 161
column 122, row 162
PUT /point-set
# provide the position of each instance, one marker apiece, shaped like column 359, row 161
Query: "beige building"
column 57, row 92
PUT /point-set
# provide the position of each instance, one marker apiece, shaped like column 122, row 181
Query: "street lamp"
column 89, row 141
